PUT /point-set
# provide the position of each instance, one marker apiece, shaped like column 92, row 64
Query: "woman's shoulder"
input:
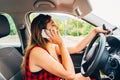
column 38, row 49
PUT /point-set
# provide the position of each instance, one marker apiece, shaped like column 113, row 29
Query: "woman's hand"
column 99, row 29
column 79, row 76
column 55, row 36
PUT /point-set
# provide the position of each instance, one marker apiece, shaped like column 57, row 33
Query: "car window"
column 12, row 39
column 71, row 28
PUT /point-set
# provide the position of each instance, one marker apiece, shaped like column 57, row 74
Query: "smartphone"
column 44, row 35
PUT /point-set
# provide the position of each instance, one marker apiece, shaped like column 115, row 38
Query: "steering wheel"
column 93, row 55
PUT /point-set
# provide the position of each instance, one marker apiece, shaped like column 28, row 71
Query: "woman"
column 41, row 61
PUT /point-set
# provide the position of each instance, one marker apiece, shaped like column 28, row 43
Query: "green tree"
column 13, row 30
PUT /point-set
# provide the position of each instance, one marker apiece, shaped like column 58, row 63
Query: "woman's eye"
column 53, row 24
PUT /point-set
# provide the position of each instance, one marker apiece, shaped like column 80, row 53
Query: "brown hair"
column 36, row 39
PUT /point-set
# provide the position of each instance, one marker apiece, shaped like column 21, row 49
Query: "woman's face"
column 52, row 25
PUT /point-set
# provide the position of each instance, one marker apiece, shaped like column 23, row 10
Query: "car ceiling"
column 18, row 8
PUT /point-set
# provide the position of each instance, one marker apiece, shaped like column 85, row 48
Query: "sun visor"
column 78, row 8
column 82, row 8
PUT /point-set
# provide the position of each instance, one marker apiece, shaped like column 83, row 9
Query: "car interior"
column 10, row 58
column 100, row 60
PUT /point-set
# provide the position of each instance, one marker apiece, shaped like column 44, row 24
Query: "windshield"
column 107, row 10
column 71, row 28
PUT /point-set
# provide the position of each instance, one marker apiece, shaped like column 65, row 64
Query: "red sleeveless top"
column 41, row 75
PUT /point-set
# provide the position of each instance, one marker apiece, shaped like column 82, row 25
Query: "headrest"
column 4, row 26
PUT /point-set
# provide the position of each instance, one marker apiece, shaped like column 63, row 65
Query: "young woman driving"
column 41, row 60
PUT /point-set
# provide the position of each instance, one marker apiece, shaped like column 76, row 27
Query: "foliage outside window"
column 68, row 25
column 12, row 39
column 71, row 28
column 13, row 30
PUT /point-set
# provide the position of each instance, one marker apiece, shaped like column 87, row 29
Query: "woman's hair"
column 38, row 24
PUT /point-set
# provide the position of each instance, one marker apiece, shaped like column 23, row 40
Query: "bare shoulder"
column 38, row 50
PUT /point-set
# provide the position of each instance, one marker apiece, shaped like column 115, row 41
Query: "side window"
column 71, row 28
column 12, row 39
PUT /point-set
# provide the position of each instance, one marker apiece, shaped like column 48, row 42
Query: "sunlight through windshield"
column 107, row 10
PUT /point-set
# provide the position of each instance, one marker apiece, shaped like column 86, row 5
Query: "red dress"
column 41, row 75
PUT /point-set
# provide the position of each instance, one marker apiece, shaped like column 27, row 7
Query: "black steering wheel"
column 93, row 54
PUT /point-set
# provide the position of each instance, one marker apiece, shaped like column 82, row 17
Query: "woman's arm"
column 84, row 42
column 45, row 61
column 41, row 58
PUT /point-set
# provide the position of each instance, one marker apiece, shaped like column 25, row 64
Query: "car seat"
column 10, row 58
